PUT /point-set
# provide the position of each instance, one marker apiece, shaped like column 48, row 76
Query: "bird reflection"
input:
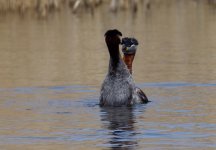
column 120, row 121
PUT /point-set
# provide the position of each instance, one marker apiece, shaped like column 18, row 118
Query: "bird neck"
column 128, row 60
column 115, row 56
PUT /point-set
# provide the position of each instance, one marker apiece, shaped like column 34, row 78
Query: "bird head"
column 112, row 37
column 129, row 45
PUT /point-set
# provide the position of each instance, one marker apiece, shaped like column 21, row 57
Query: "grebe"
column 118, row 88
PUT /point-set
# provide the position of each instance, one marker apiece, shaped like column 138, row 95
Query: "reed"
column 16, row 5
column 44, row 7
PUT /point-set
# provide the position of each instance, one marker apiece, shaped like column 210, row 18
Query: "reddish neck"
column 128, row 59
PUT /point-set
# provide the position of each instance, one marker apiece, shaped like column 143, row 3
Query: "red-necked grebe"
column 118, row 88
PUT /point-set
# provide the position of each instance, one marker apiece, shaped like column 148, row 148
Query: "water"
column 51, row 72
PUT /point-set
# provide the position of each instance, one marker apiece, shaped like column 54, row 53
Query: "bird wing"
column 142, row 95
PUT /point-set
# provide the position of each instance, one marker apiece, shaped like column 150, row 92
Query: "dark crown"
column 113, row 32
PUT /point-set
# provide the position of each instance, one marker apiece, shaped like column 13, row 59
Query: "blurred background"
column 53, row 59
column 58, row 42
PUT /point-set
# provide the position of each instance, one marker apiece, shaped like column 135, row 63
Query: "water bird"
column 118, row 88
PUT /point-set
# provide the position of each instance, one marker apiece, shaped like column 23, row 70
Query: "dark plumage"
column 129, row 41
column 114, row 32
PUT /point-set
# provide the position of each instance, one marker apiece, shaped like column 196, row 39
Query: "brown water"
column 51, row 71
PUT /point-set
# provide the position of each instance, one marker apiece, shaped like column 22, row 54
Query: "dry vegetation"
column 22, row 6
column 43, row 7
